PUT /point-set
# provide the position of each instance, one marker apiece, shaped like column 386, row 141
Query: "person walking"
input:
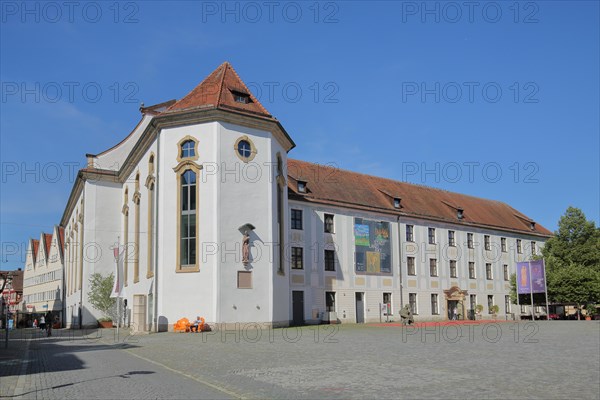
column 49, row 323
column 43, row 322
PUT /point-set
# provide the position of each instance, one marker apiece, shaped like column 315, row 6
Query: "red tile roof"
column 47, row 242
column 35, row 244
column 333, row 186
column 61, row 234
column 216, row 91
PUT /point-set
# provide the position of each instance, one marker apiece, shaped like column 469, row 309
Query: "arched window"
column 188, row 227
column 188, row 149
column 151, row 164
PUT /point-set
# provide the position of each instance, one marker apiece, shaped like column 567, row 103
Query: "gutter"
column 400, row 263
column 155, row 236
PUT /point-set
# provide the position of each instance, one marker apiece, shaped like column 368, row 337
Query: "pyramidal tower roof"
column 222, row 89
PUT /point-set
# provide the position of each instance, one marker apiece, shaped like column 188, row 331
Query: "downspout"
column 156, row 222
column 82, row 281
column 400, row 263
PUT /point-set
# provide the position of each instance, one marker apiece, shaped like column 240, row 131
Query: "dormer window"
column 532, row 225
column 397, row 202
column 302, row 186
column 460, row 213
column 240, row 97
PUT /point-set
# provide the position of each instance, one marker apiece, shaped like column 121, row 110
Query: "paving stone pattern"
column 527, row 360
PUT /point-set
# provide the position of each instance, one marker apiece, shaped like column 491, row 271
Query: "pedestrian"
column 42, row 322
column 35, row 323
column 49, row 320
column 455, row 313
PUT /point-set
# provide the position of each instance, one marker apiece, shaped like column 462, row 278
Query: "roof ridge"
column 225, row 66
column 198, row 85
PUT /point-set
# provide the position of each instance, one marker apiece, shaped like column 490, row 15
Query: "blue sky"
column 500, row 100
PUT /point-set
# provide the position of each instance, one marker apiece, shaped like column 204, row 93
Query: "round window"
column 244, row 149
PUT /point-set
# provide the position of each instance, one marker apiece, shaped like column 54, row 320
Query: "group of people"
column 45, row 323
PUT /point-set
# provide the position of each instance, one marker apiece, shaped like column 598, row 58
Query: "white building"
column 196, row 174
column 43, row 275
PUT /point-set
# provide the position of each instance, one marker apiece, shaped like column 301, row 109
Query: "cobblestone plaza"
column 500, row 360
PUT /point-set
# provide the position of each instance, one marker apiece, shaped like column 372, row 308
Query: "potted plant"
column 494, row 310
column 478, row 310
column 590, row 310
column 99, row 297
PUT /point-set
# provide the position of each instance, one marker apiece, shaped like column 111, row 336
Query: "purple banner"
column 531, row 281
column 523, row 284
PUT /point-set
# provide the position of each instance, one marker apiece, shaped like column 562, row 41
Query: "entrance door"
column 298, row 307
column 360, row 308
column 139, row 312
column 452, row 304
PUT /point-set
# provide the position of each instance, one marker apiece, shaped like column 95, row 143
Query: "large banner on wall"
column 372, row 246
column 531, row 277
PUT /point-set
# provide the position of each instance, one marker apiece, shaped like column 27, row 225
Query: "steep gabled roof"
column 47, row 243
column 217, row 90
column 35, row 245
column 333, row 186
column 61, row 238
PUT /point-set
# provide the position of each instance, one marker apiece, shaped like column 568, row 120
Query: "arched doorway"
column 455, row 299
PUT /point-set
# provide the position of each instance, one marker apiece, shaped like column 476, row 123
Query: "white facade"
column 133, row 194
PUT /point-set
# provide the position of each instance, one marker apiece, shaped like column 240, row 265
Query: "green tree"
column 572, row 259
column 99, row 294
column 513, row 288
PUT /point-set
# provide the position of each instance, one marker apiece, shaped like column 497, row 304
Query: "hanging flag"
column 523, row 283
column 118, row 253
column 531, row 277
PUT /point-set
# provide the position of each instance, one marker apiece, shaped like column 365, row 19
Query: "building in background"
column 43, row 275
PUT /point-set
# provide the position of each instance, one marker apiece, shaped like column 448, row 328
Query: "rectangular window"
column 431, row 235
column 410, row 237
column 470, row 240
column 387, row 299
column 473, row 301
column 412, row 302
column 507, row 304
column 471, row 270
column 296, row 219
column 330, row 301
column 410, row 266
column 452, row 268
column 486, row 242
column 533, row 249
column 433, row 267
column 490, row 303
column 244, row 279
column 329, row 260
column 488, row 271
column 297, row 258
column 451, row 241
column 519, row 247
column 328, row 223
column 434, row 304
column 505, row 269
column 503, row 244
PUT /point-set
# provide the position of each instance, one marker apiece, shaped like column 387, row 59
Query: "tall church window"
column 188, row 219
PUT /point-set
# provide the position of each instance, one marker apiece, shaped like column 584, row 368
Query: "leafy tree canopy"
column 572, row 259
column 99, row 294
